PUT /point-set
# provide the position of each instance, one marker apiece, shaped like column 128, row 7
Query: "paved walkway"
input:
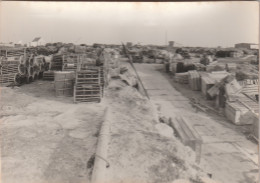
column 231, row 157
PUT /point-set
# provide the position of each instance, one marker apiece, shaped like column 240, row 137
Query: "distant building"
column 18, row 45
column 10, row 44
column 129, row 44
column 246, row 45
column 171, row 44
column 38, row 41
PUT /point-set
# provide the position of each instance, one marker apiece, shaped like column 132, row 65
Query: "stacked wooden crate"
column 206, row 83
column 88, row 86
column 182, row 78
column 194, row 80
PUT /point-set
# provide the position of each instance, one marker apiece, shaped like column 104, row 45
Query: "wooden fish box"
column 182, row 78
column 238, row 113
column 206, row 84
column 194, row 80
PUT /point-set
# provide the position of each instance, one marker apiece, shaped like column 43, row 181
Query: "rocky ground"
column 44, row 138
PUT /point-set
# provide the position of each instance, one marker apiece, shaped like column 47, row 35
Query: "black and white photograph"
column 129, row 92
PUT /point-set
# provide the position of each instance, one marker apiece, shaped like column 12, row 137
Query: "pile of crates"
column 88, row 86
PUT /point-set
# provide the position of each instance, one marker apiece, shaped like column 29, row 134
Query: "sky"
column 206, row 24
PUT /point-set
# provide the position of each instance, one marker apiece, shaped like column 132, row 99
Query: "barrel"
column 63, row 83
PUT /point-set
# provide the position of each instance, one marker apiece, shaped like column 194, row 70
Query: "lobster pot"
column 7, row 78
column 102, row 81
column 63, row 83
column 9, row 67
column 70, row 62
column 194, row 80
column 48, row 75
column 56, row 63
column 87, row 87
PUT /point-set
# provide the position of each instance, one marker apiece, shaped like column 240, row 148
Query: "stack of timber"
column 182, row 78
column 194, row 80
column 88, row 86
column 56, row 63
column 241, row 111
column 63, row 83
column 70, row 62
